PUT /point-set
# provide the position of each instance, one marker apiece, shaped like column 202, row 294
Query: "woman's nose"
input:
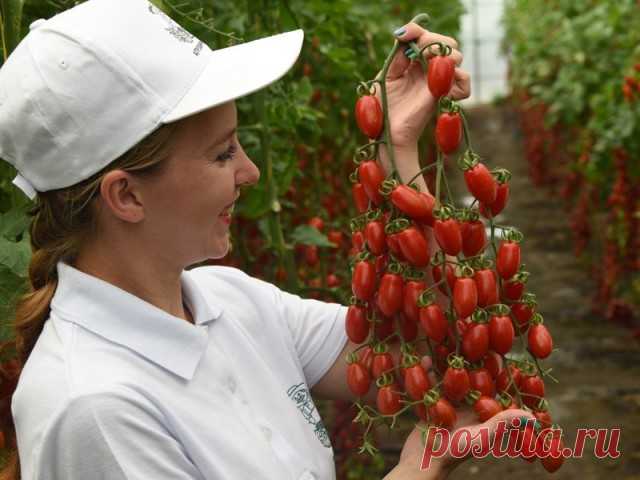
column 248, row 174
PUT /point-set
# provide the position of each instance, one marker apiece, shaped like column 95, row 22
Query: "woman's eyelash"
column 228, row 154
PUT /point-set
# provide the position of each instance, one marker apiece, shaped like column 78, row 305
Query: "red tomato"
column 384, row 329
column 381, row 263
column 501, row 334
column 360, row 198
column 388, row 400
column 523, row 314
column 442, row 351
column 414, row 247
column 410, row 202
column 480, row 379
column 540, row 341
column 332, row 280
column 317, row 223
column 363, row 282
column 486, row 407
column 357, row 240
column 455, row 383
column 365, row 357
column 481, row 184
column 531, row 388
column 440, row 75
column 356, row 324
column 394, row 245
column 390, row 294
column 544, row 418
column 375, row 237
column 416, row 381
column 433, row 322
column 311, row 255
column 487, row 287
column 503, row 379
column 358, row 379
column 448, row 235
column 512, row 290
column 335, row 237
column 465, row 296
column 430, row 201
column 474, row 238
column 412, row 290
column 408, row 328
column 493, row 362
column 449, row 132
column 382, row 362
column 496, row 207
column 451, row 277
column 369, row 116
column 443, row 414
column 371, row 176
column 508, row 261
column 553, row 462
column 475, row 341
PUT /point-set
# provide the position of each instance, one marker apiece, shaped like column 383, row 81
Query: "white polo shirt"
column 116, row 388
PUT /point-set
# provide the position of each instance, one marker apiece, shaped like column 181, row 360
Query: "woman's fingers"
column 462, row 85
column 414, row 32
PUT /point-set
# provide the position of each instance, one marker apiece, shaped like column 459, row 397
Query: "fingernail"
column 400, row 31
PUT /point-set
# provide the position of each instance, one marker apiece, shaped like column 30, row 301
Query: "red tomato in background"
column 440, row 75
column 503, row 379
column 408, row 328
column 481, row 184
column 369, row 116
column 523, row 314
column 512, row 290
column 493, row 363
column 449, row 132
column 532, row 385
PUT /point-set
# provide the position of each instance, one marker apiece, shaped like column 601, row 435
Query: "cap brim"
column 236, row 71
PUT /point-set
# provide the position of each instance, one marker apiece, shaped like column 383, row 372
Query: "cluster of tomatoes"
column 631, row 85
column 393, row 260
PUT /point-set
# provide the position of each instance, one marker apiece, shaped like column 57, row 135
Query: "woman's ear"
column 122, row 196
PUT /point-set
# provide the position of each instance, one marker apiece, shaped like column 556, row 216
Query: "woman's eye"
column 227, row 154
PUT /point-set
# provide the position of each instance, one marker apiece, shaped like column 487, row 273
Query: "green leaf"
column 307, row 235
column 16, row 255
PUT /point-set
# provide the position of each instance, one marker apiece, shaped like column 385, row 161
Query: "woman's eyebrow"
column 223, row 138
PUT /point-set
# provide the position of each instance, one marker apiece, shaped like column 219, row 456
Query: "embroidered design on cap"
column 176, row 30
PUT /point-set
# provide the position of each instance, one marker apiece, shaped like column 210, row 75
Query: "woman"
column 134, row 367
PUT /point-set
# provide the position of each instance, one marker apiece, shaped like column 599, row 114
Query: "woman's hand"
column 410, row 103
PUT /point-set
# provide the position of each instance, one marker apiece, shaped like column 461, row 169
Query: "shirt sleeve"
column 108, row 436
column 318, row 332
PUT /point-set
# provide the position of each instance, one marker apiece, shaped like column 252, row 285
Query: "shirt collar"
column 123, row 318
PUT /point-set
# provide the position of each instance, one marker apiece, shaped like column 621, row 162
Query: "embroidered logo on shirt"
column 176, row 30
column 301, row 396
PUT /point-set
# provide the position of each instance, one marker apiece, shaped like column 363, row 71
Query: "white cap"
column 86, row 85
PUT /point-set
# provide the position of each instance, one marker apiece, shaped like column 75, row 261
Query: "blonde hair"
column 62, row 220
